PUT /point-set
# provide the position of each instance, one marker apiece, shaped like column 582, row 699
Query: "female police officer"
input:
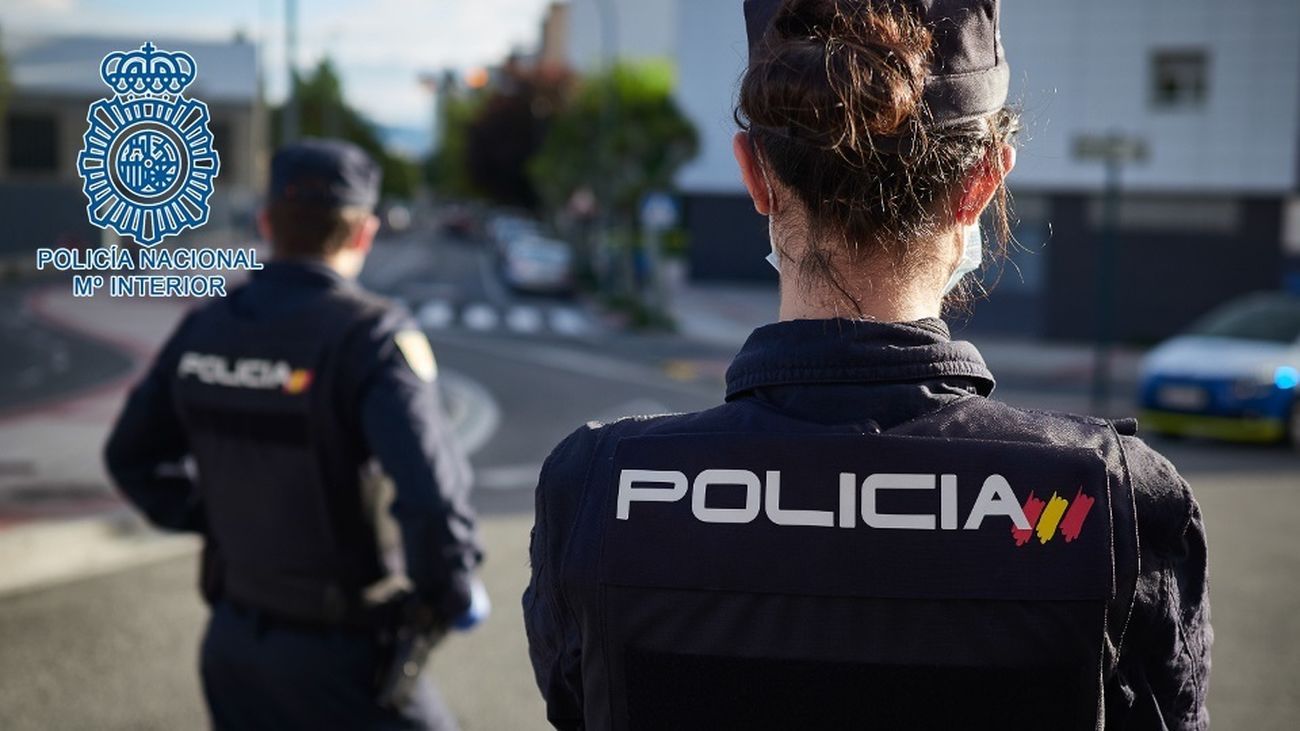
column 859, row 536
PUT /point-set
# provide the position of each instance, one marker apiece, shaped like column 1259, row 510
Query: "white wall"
column 1078, row 67
column 642, row 29
column 1084, row 67
column 711, row 59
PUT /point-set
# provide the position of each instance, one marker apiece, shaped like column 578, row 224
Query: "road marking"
column 436, row 315
column 441, row 314
column 681, row 370
column 569, row 321
column 524, row 319
column 581, row 362
column 481, row 317
column 476, row 415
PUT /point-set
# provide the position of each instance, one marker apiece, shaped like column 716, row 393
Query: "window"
column 1179, row 79
column 33, row 143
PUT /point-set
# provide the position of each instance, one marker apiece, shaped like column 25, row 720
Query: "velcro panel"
column 682, row 692
column 866, row 516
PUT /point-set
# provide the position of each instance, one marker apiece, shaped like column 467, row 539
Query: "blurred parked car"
column 461, row 221
column 1234, row 375
column 533, row 263
column 506, row 228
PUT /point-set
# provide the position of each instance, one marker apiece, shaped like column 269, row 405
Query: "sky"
column 380, row 46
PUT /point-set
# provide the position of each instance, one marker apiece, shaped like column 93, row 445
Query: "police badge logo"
column 148, row 161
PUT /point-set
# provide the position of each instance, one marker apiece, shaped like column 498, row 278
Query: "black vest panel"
column 845, row 581
column 270, row 428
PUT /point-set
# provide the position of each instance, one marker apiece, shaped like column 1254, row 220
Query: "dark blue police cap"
column 968, row 78
column 327, row 173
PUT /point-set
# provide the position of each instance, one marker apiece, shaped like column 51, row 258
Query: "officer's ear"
column 364, row 235
column 983, row 183
column 751, row 172
column 264, row 225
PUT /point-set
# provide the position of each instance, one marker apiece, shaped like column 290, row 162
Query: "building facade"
column 54, row 80
column 626, row 29
column 1211, row 89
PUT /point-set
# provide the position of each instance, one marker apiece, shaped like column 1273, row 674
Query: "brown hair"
column 305, row 229
column 834, row 106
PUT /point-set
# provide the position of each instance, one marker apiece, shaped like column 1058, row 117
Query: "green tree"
column 323, row 111
column 621, row 136
column 4, row 84
column 448, row 170
column 508, row 130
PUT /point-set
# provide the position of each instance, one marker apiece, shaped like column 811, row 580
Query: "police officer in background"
column 859, row 537
column 253, row 428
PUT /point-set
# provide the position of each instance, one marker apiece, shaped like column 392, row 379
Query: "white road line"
column 436, row 315
column 580, row 362
column 524, row 319
column 478, row 414
column 570, row 321
column 509, row 477
column 481, row 317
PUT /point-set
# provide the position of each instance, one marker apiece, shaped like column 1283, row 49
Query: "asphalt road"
column 39, row 363
column 119, row 651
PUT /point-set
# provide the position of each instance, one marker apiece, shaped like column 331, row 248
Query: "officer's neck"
column 859, row 296
column 344, row 263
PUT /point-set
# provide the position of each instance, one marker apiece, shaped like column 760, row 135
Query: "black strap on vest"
column 767, row 581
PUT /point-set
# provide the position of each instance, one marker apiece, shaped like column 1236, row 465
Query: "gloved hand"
column 480, row 606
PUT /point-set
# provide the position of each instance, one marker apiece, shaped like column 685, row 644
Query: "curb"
column 471, row 409
column 45, row 554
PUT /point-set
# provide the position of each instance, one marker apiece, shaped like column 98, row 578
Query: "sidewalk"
column 725, row 314
column 53, row 447
column 58, row 515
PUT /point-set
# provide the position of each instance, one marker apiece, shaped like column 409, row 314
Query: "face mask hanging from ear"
column 773, row 258
column 972, row 256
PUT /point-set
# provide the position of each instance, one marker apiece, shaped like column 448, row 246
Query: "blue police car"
column 1235, row 375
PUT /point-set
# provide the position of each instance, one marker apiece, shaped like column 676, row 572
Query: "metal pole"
column 1106, row 255
column 604, row 187
column 289, row 118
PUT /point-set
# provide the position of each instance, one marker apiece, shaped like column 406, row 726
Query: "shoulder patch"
column 418, row 354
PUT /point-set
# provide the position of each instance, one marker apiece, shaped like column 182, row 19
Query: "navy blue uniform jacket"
column 839, row 376
column 385, row 410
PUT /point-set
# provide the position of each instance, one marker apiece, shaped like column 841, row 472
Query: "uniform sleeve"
column 405, row 429
column 146, row 450
column 1166, row 658
column 554, row 640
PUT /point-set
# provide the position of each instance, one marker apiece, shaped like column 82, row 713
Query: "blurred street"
column 111, row 613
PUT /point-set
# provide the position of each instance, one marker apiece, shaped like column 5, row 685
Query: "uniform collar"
column 852, row 351
column 302, row 271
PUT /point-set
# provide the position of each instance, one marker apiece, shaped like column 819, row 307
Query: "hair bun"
column 837, row 102
column 872, row 67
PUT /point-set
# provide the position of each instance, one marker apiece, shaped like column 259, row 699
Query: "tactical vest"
column 272, row 430
column 956, row 572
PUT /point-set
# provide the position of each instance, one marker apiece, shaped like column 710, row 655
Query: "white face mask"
column 773, row 258
column 972, row 255
column 972, row 248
